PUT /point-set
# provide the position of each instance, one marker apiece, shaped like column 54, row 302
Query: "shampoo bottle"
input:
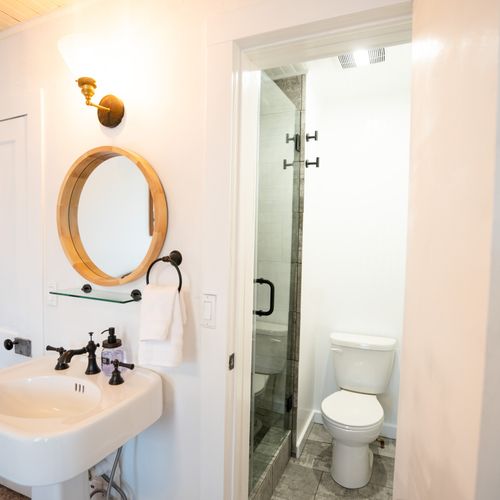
column 111, row 350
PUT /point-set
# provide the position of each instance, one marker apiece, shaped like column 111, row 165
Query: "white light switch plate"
column 208, row 310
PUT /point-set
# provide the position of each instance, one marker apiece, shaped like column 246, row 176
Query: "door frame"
column 240, row 45
column 30, row 105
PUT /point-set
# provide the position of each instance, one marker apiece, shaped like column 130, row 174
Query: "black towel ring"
column 175, row 258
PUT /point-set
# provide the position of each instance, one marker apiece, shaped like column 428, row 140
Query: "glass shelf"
column 102, row 295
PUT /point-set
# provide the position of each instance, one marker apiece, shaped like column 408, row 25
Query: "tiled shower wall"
column 295, row 88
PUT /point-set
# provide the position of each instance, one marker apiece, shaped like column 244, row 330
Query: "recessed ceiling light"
column 361, row 57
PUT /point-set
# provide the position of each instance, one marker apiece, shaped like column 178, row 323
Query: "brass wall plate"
column 113, row 117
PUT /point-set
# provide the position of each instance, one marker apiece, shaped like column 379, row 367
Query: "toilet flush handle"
column 336, row 349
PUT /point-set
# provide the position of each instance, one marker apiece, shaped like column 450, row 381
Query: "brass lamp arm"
column 98, row 106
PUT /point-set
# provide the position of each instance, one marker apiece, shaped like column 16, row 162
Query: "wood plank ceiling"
column 13, row 12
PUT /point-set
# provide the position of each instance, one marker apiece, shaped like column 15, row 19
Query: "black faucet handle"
column 60, row 350
column 9, row 344
column 91, row 345
column 118, row 363
column 61, row 362
column 116, row 376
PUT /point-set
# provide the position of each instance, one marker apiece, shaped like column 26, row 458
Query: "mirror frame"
column 67, row 214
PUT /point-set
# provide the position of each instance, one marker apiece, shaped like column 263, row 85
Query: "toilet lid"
column 352, row 409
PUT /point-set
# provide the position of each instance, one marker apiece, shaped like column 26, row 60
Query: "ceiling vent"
column 374, row 56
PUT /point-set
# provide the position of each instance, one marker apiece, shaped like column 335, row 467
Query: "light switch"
column 207, row 310
column 208, row 306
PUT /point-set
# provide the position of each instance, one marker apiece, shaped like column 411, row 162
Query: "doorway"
column 20, row 271
column 14, row 221
column 332, row 205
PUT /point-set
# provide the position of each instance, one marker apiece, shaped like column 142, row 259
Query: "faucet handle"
column 116, row 377
column 60, row 350
column 91, row 345
column 118, row 363
column 9, row 344
column 61, row 362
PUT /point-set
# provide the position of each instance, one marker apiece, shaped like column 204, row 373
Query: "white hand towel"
column 166, row 352
column 157, row 309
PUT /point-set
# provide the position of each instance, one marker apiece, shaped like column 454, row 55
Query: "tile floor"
column 6, row 494
column 308, row 477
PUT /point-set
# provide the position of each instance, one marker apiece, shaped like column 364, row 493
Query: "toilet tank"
column 270, row 347
column 362, row 363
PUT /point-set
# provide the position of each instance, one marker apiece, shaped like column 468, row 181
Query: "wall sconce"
column 81, row 55
column 110, row 109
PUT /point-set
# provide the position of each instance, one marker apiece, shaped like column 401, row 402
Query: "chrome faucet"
column 65, row 357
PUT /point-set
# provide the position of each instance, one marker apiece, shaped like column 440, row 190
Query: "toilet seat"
column 259, row 383
column 352, row 410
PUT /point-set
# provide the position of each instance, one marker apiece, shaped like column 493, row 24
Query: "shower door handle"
column 262, row 281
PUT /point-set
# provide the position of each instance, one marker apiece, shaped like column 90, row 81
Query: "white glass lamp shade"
column 81, row 54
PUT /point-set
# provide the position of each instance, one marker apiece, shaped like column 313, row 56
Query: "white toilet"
column 259, row 383
column 353, row 415
column 270, row 347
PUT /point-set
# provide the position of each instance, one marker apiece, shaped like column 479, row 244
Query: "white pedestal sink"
column 55, row 425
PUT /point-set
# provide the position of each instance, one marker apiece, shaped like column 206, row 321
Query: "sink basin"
column 49, row 396
column 55, row 425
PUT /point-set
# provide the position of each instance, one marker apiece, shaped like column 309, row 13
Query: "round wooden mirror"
column 111, row 215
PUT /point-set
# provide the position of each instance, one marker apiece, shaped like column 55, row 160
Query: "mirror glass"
column 115, row 216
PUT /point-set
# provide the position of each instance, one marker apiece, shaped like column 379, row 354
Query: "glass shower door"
column 269, row 422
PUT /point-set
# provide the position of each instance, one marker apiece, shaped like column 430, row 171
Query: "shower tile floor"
column 308, row 476
column 265, row 452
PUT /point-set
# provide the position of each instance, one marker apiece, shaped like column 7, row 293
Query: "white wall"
column 355, row 216
column 449, row 407
column 163, row 89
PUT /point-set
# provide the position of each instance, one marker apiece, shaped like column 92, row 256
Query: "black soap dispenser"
column 111, row 350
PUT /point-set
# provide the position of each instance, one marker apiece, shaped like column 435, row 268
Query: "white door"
column 20, row 273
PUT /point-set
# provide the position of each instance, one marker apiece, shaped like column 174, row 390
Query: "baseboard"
column 302, row 437
column 388, row 430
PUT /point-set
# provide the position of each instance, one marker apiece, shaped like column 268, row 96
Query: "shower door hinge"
column 289, row 403
column 231, row 361
column 297, row 143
